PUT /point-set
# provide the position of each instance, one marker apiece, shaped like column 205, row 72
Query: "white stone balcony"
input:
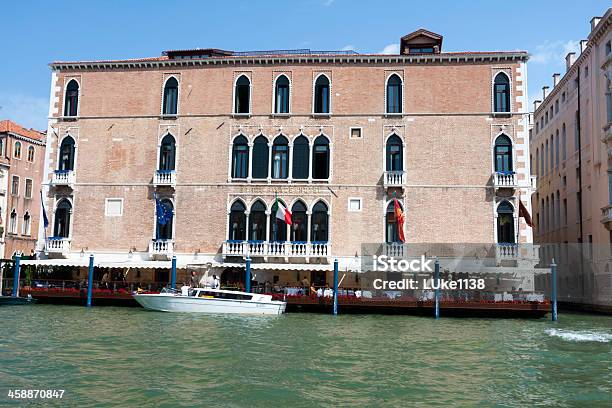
column 62, row 178
column 606, row 217
column 504, row 180
column 515, row 252
column 394, row 179
column 164, row 178
column 286, row 250
column 57, row 246
column 393, row 249
column 161, row 248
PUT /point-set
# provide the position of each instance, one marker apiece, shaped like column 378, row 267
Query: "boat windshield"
column 222, row 295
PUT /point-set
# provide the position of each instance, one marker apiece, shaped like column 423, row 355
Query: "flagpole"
column 274, row 215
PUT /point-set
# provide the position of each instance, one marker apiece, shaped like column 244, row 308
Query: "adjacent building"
column 217, row 137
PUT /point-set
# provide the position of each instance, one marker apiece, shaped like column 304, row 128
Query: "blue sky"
column 35, row 33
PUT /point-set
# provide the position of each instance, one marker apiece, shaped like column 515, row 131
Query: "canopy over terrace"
column 102, row 264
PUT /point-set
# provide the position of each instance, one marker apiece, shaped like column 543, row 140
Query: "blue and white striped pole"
column 90, row 279
column 17, row 268
column 553, row 270
column 437, row 288
column 247, row 284
column 173, row 273
column 335, row 286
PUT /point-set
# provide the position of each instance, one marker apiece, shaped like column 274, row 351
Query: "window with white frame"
column 15, row 186
column 355, row 133
column 28, row 188
column 17, row 150
column 13, row 222
column 354, row 204
column 27, row 224
column 114, row 207
column 31, row 154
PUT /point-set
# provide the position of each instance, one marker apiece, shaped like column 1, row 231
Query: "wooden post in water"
column 90, row 279
column 335, row 286
column 173, row 273
column 247, row 282
column 437, row 288
column 553, row 271
column 16, row 267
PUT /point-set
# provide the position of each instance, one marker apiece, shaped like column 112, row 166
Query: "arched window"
column 240, row 158
column 170, row 104
column 164, row 231
column 281, row 95
column 299, row 222
column 394, row 94
column 17, row 150
column 242, row 95
column 563, row 142
column 505, row 223
column 2, row 147
column 167, row 153
column 503, row 154
column 278, row 227
column 557, row 148
column 63, row 212
column 71, row 99
column 31, row 154
column 321, row 95
column 66, row 154
column 13, row 222
column 501, row 89
column 320, row 158
column 391, row 227
column 395, row 154
column 320, row 222
column 237, row 222
column 26, row 224
column 257, row 222
column 280, row 158
column 301, row 154
column 537, row 164
column 260, row 158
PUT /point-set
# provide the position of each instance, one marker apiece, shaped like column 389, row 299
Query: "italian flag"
column 282, row 213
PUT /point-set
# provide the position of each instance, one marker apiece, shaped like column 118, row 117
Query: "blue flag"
column 44, row 213
column 164, row 213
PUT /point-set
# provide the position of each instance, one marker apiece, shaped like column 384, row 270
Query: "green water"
column 108, row 356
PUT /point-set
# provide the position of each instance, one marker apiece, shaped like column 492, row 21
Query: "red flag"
column 525, row 214
column 399, row 220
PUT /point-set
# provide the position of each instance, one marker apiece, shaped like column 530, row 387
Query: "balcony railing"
column 394, row 179
column 161, row 248
column 516, row 252
column 393, row 249
column 62, row 178
column 164, row 178
column 57, row 245
column 503, row 179
column 277, row 249
column 606, row 216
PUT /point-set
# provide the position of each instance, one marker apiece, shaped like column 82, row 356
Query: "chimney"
column 556, row 78
column 594, row 22
column 583, row 45
column 544, row 92
column 536, row 104
column 570, row 58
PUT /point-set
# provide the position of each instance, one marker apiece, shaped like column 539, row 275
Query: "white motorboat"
column 206, row 300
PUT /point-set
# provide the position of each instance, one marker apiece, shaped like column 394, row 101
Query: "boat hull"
column 188, row 304
column 10, row 300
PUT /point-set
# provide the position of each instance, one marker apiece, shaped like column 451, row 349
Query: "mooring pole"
column 437, row 288
column 173, row 273
column 90, row 279
column 335, row 286
column 553, row 271
column 17, row 267
column 247, row 283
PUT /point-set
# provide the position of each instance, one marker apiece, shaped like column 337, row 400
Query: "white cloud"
column 25, row 110
column 348, row 47
column 328, row 2
column 553, row 52
column 390, row 49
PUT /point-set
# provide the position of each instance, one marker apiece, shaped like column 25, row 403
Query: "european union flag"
column 164, row 213
column 44, row 213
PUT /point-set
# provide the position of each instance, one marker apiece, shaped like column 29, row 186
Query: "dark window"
column 391, row 230
column 505, row 223
column 243, row 95
column 503, row 154
column 282, row 95
column 395, row 155
column 237, row 223
column 422, row 50
column 280, row 158
column 260, row 158
column 257, row 222
column 278, row 227
column 61, row 226
column 502, row 93
column 66, row 159
column 71, row 104
column 320, row 220
column 167, row 153
column 240, row 157
column 321, row 102
column 164, row 231
column 170, row 97
column 320, row 158
column 299, row 222
column 394, row 94
column 300, row 158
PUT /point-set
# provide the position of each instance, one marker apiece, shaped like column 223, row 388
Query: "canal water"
column 106, row 356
